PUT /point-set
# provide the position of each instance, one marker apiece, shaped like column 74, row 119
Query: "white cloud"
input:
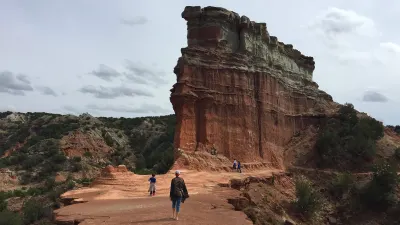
column 391, row 47
column 144, row 108
column 140, row 20
column 341, row 28
column 47, row 91
column 114, row 92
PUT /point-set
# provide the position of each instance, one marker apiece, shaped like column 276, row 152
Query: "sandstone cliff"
column 240, row 92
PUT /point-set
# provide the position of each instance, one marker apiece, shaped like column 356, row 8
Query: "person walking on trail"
column 234, row 164
column 178, row 193
column 152, row 188
column 239, row 167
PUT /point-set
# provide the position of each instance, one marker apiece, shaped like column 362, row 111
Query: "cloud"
column 373, row 96
column 139, row 20
column 113, row 92
column 144, row 108
column 14, row 84
column 391, row 47
column 47, row 91
column 105, row 72
column 336, row 25
column 135, row 72
column 71, row 109
column 141, row 74
column 10, row 108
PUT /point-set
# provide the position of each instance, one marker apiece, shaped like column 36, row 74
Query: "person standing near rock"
column 152, row 188
column 178, row 193
column 239, row 167
column 234, row 164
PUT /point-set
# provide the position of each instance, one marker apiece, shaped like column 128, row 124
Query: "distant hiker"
column 178, row 193
column 239, row 167
column 152, row 188
column 234, row 164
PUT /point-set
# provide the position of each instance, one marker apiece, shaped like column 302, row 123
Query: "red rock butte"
column 240, row 92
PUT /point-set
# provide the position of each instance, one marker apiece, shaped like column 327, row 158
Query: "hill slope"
column 35, row 146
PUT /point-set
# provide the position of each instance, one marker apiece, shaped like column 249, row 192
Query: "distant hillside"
column 35, row 146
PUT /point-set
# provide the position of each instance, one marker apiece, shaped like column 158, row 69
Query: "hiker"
column 152, row 188
column 234, row 164
column 239, row 167
column 178, row 193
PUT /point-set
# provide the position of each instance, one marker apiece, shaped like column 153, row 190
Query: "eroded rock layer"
column 240, row 92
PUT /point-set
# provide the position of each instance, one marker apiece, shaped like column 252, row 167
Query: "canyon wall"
column 240, row 92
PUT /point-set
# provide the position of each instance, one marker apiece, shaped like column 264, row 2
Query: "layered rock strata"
column 240, row 92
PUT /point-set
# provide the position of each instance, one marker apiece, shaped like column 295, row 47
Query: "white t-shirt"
column 235, row 162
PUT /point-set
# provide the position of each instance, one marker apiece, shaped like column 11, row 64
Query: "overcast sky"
column 116, row 58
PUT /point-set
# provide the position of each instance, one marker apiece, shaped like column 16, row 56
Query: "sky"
column 116, row 58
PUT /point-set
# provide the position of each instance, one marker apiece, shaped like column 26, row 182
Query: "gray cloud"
column 105, row 72
column 139, row 73
column 14, row 84
column 144, row 108
column 71, row 109
column 113, row 92
column 47, row 91
column 334, row 24
column 135, row 72
column 373, row 96
column 139, row 20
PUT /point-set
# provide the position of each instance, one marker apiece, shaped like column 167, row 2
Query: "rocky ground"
column 122, row 198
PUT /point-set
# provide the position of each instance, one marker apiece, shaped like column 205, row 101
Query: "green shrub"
column 77, row 159
column 18, row 193
column 55, row 194
column 70, row 185
column 58, row 158
column 347, row 141
column 32, row 211
column 379, row 193
column 397, row 153
column 35, row 191
column 50, row 183
column 32, row 161
column 342, row 184
column 87, row 154
column 10, row 218
column 76, row 167
column 3, row 205
column 307, row 200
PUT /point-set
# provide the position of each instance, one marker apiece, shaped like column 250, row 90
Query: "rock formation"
column 240, row 92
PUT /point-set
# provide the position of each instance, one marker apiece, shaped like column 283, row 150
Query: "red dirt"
column 112, row 200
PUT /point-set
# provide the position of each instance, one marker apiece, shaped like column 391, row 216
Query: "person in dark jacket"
column 239, row 167
column 178, row 193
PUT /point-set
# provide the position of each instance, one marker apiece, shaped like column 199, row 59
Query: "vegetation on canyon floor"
column 32, row 144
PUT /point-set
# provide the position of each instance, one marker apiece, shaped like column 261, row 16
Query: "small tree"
column 32, row 211
column 342, row 184
column 307, row 200
column 379, row 194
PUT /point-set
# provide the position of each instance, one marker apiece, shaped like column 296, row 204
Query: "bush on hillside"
column 308, row 200
column 348, row 141
column 342, row 184
column 397, row 153
column 10, row 218
column 379, row 193
column 32, row 211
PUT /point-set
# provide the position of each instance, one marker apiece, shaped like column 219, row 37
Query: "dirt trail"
column 124, row 200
